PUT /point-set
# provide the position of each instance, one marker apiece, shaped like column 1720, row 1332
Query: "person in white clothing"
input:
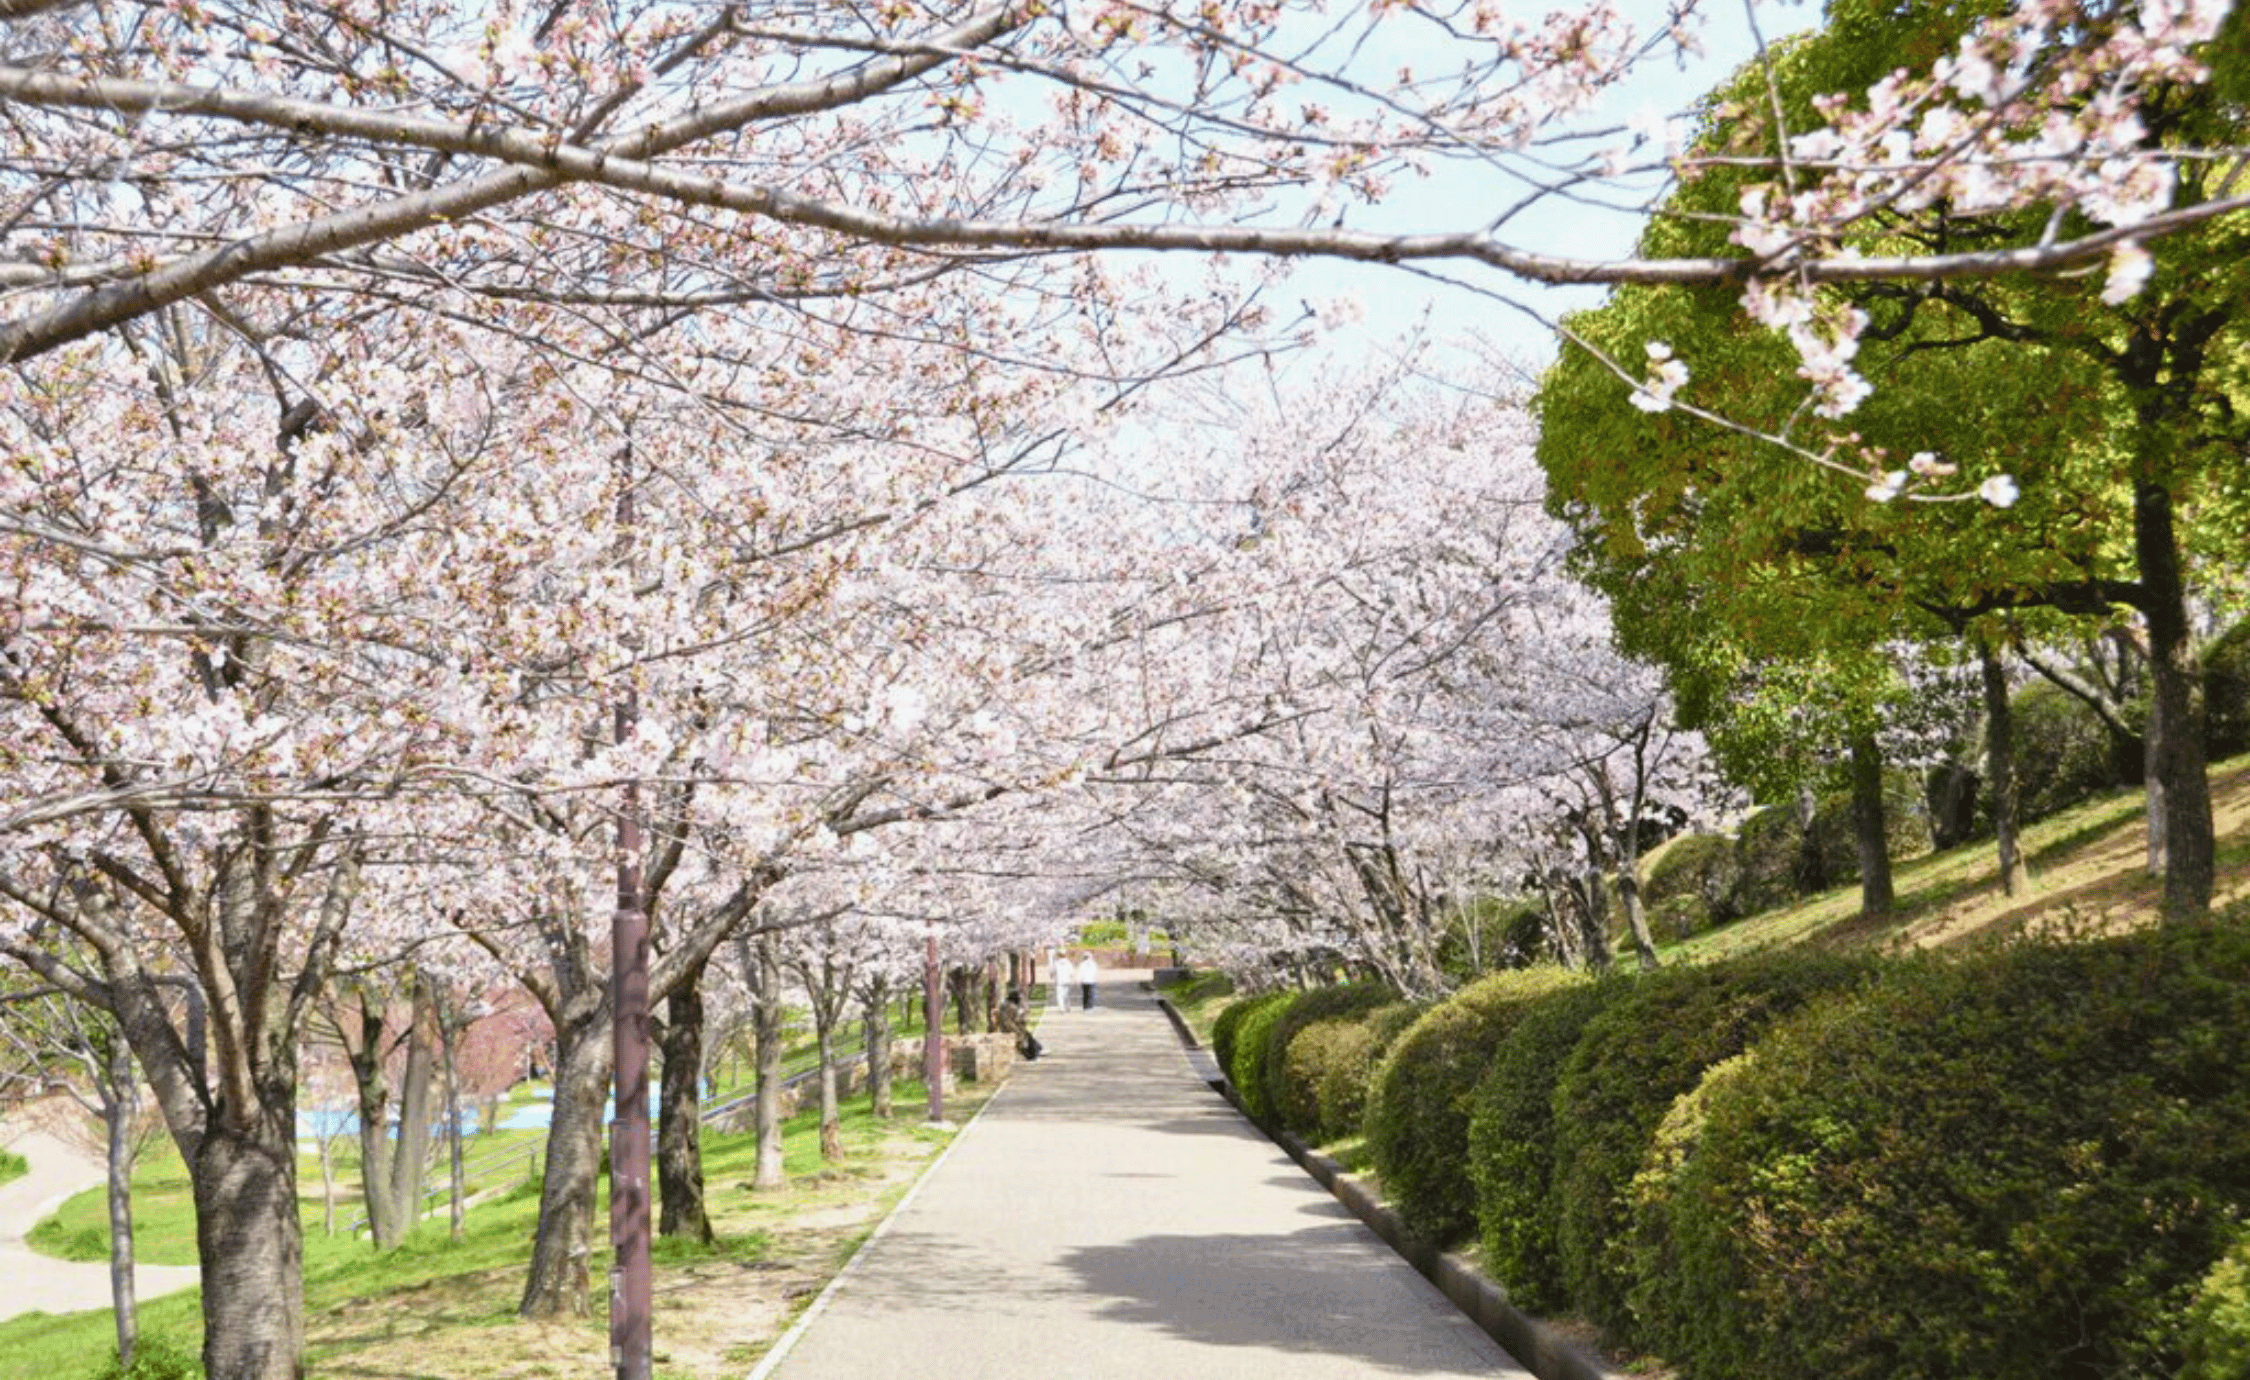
column 1087, row 972
column 1058, row 978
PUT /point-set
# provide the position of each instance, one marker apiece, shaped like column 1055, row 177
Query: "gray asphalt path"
column 35, row 1283
column 1110, row 1216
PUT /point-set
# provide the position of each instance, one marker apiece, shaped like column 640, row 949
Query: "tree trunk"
column 410, row 1160
column 878, row 1022
column 457, row 1184
column 2000, row 769
column 679, row 1142
column 831, row 1114
column 372, row 1081
column 1593, row 918
column 1636, row 916
column 562, row 1248
column 1868, row 828
column 767, row 1024
column 120, row 1093
column 248, row 1239
column 2176, row 751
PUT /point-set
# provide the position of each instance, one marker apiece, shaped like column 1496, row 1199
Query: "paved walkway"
column 35, row 1283
column 1111, row 1216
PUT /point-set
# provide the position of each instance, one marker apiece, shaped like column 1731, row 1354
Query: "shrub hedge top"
column 1418, row 1109
column 2021, row 1166
column 1635, row 1056
column 1511, row 1141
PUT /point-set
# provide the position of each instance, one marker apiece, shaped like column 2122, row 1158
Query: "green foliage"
column 1512, row 1144
column 1347, row 1071
column 1486, row 934
column 2218, row 1321
column 1834, row 846
column 1769, row 853
column 1239, row 1041
column 2018, row 1166
column 1640, row 1052
column 64, row 1242
column 1691, row 885
column 12, row 1166
column 1294, row 1103
column 2226, row 692
column 1418, row 1109
column 2063, row 751
column 155, row 1358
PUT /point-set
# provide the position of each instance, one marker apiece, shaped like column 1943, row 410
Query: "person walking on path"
column 1087, row 973
column 1058, row 978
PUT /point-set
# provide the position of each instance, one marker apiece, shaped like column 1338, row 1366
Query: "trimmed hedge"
column 2218, row 1321
column 1768, row 850
column 1293, row 1103
column 1346, row 1071
column 1512, row 1142
column 1226, row 1031
column 1244, row 1054
column 2022, row 1166
column 1691, row 885
column 1418, row 1109
column 1637, row 1055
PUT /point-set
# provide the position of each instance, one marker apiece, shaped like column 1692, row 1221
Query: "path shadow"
column 1313, row 1291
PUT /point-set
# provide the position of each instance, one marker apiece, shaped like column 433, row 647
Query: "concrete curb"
column 1549, row 1354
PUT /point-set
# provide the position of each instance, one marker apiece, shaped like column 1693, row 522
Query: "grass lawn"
column 438, row 1310
column 1199, row 1000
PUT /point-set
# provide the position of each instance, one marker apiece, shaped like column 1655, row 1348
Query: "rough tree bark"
column 410, row 1158
column 2176, row 753
column 559, row 1281
column 679, row 1147
column 1869, row 831
column 763, row 963
column 120, row 1097
column 366, row 1045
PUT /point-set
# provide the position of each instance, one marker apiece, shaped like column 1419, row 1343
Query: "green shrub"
column 1692, row 885
column 1418, row 1108
column 12, row 1166
column 1511, row 1142
column 1228, row 1027
column 1294, row 1103
column 2064, row 753
column 1767, row 849
column 2020, row 1166
column 155, row 1357
column 1643, row 1050
column 50, row 1237
column 1835, row 837
column 1348, row 1072
column 1247, row 1068
column 2226, row 695
column 2218, row 1320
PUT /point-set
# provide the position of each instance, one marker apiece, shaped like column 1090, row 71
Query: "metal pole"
column 933, row 1015
column 630, row 1285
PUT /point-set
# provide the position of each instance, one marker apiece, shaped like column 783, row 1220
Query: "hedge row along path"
column 1109, row 1216
column 37, row 1283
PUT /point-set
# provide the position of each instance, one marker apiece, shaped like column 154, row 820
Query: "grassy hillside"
column 2086, row 864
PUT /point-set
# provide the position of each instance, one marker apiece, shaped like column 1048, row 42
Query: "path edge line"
column 1548, row 1354
column 781, row 1349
